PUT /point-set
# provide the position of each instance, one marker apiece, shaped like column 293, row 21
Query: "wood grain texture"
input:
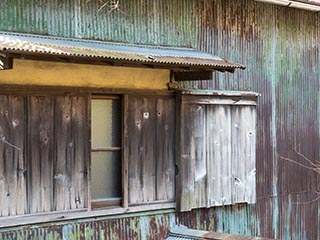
column 217, row 100
column 243, row 154
column 79, row 169
column 125, row 153
column 63, row 156
column 165, row 154
column 19, row 140
column 150, row 148
column 219, row 155
column 138, row 155
column 43, row 154
column 40, row 154
column 70, row 171
column 12, row 160
column 216, row 143
column 189, row 147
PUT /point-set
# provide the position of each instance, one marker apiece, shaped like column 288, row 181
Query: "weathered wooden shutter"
column 43, row 153
column 150, row 139
column 216, row 151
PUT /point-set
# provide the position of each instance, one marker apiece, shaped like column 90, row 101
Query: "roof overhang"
column 309, row 5
column 27, row 46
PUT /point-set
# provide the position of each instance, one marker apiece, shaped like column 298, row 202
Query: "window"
column 52, row 143
column 141, row 172
column 106, row 121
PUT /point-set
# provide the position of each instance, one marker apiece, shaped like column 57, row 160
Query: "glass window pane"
column 106, row 175
column 106, row 123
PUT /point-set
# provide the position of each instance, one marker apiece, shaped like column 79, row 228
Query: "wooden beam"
column 209, row 100
column 193, row 76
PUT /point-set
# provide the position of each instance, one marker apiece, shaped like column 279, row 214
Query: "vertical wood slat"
column 19, row 140
column 198, row 155
column 40, row 154
column 238, row 156
column 243, row 154
column 150, row 148
column 125, row 154
column 62, row 159
column 185, row 191
column 141, row 146
column 70, row 169
column 12, row 160
column 4, row 134
column 79, row 196
column 219, row 155
column 135, row 164
column 87, row 135
column 165, row 140
column 192, row 164
column 251, row 160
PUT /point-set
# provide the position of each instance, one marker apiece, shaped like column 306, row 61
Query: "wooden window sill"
column 116, row 202
column 104, row 214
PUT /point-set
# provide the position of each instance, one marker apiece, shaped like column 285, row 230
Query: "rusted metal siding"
column 137, row 21
column 279, row 45
column 149, row 226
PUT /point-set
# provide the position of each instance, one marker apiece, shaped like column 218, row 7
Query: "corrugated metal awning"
column 16, row 44
column 309, row 5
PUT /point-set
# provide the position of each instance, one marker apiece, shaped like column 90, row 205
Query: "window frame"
column 112, row 203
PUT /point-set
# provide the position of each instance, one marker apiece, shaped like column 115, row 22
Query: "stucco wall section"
column 28, row 72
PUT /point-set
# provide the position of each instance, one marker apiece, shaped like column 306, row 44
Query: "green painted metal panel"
column 279, row 46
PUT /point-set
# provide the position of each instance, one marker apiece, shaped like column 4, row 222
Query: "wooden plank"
column 250, row 129
column 178, row 154
column 193, row 75
column 4, row 135
column 23, row 90
column 248, row 123
column 19, row 198
column 185, row 162
column 88, row 153
column 125, row 154
column 243, row 154
column 40, row 153
column 238, row 168
column 165, row 140
column 218, row 100
column 199, row 154
column 12, row 162
column 133, row 129
column 192, row 165
column 148, row 148
column 219, row 155
column 106, row 149
column 62, row 169
column 141, row 129
column 78, row 162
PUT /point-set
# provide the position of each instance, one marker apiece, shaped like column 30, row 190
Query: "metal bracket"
column 6, row 62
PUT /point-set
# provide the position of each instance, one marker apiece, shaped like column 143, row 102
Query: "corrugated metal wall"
column 280, row 47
